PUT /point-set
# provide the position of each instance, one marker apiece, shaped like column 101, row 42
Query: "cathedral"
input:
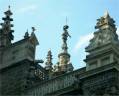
column 22, row 75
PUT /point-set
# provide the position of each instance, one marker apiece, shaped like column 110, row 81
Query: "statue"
column 65, row 34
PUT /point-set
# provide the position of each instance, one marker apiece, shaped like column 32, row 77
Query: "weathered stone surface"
column 20, row 73
column 13, row 79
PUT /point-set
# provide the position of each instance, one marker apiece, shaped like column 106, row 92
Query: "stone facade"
column 81, row 82
column 21, row 74
column 18, row 67
column 13, row 79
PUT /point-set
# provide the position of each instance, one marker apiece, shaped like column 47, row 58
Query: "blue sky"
column 49, row 17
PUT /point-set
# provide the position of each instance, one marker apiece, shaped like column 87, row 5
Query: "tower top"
column 105, row 22
column 104, row 46
column 6, row 30
column 8, row 12
column 105, row 34
column 49, row 61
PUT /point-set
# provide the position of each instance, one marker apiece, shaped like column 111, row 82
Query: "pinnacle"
column 8, row 13
column 106, row 14
column 49, row 52
column 9, row 7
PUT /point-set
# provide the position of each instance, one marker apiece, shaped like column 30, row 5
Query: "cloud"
column 83, row 40
column 27, row 8
column 118, row 31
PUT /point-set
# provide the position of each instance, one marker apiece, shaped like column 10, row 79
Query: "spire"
column 106, row 14
column 64, row 64
column 6, row 31
column 49, row 61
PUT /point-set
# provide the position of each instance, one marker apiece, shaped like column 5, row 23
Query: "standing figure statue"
column 65, row 34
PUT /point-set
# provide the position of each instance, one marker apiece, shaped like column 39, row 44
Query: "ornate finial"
column 8, row 12
column 7, row 21
column 9, row 7
column 49, row 61
column 33, row 29
column 7, row 28
column 49, row 54
column 26, row 34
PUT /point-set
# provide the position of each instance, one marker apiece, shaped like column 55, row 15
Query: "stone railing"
column 54, row 84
